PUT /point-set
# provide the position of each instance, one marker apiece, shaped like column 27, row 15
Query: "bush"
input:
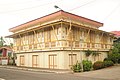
column 12, row 61
column 108, row 63
column 119, row 61
column 114, row 57
column 87, row 65
column 107, row 59
column 98, row 65
column 76, row 67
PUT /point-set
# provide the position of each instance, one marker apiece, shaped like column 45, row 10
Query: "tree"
column 114, row 57
column 2, row 42
column 115, row 52
column 116, row 48
column 11, row 44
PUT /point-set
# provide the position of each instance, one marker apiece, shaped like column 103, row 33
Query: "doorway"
column 53, row 61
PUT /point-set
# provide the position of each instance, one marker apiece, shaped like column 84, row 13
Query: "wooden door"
column 22, row 60
column 52, row 61
column 35, row 61
column 72, row 59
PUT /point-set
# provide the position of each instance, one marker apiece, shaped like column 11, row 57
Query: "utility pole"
column 81, row 57
column 71, row 48
column 81, row 61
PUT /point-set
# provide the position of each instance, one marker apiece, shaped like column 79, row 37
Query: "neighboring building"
column 116, row 33
column 5, row 55
column 117, row 36
column 59, row 40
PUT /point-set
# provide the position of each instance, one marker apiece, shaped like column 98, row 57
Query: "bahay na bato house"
column 59, row 40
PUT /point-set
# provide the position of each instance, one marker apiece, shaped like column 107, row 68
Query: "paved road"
column 12, row 74
column 111, row 73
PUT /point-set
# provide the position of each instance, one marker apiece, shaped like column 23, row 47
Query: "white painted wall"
column 62, row 58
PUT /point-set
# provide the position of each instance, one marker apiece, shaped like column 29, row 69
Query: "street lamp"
column 57, row 7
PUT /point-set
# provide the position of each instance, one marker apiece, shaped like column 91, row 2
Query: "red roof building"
column 5, row 54
column 116, row 33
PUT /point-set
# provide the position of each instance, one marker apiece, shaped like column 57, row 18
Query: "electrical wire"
column 111, row 12
column 17, row 3
column 94, row 1
column 82, row 5
column 29, row 7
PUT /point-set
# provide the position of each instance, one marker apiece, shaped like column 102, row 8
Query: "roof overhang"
column 56, row 16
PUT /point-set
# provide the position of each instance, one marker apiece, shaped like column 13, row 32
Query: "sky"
column 16, row 12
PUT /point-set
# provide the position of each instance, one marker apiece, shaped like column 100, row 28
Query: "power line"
column 94, row 1
column 111, row 12
column 29, row 7
column 82, row 5
column 17, row 3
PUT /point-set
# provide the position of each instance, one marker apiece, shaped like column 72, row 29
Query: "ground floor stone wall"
column 55, row 59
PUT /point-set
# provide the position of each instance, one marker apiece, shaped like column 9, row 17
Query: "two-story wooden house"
column 59, row 40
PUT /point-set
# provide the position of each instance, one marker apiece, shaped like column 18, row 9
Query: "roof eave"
column 53, row 15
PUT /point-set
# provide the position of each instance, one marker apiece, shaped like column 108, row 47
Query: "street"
column 14, row 74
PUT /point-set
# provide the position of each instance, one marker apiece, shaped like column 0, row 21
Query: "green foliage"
column 119, row 61
column 114, row 57
column 108, row 63
column 116, row 48
column 76, row 67
column 98, row 65
column 2, row 42
column 88, row 53
column 11, row 44
column 95, row 53
column 87, row 65
column 107, row 59
column 12, row 61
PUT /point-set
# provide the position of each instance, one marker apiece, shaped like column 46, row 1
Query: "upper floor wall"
column 63, row 35
column 60, row 30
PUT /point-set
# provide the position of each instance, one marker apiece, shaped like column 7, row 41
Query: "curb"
column 37, row 70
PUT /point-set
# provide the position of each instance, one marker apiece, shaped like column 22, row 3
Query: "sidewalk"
column 37, row 69
column 111, row 73
column 2, row 79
